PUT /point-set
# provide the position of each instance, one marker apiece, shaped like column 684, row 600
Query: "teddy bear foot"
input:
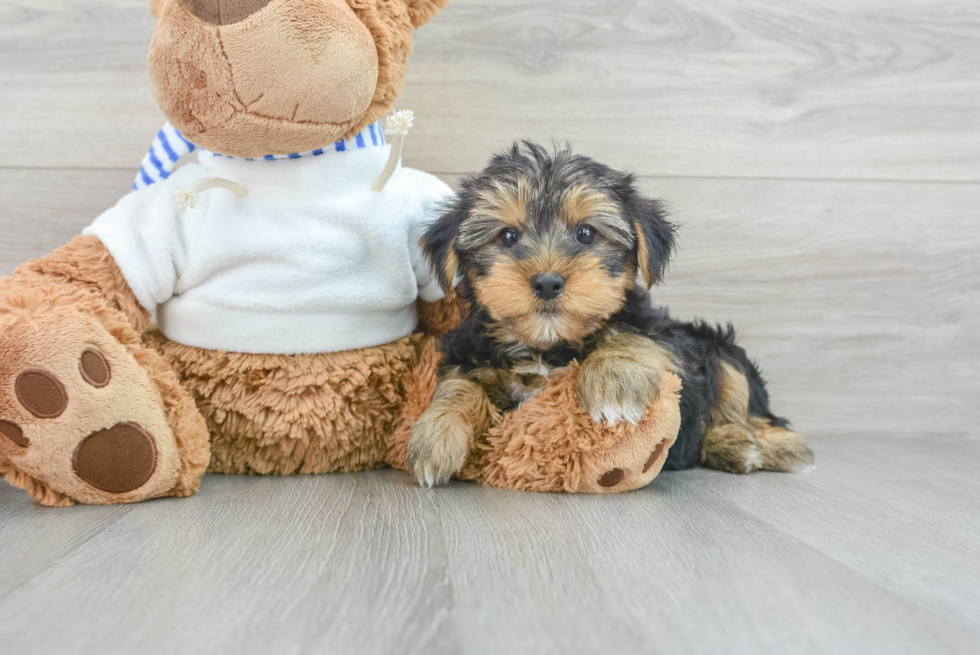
column 82, row 420
column 551, row 444
column 624, row 469
column 630, row 456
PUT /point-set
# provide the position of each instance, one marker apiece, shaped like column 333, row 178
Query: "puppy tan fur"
column 441, row 440
column 621, row 377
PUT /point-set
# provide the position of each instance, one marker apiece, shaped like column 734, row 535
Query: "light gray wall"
column 824, row 162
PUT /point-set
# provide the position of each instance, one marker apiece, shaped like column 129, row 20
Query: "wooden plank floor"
column 877, row 551
column 824, row 161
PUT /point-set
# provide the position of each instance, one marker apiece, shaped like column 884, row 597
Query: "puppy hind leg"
column 729, row 443
column 732, row 448
column 782, row 449
column 740, row 443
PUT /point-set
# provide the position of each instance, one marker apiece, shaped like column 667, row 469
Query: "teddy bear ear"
column 422, row 11
column 156, row 7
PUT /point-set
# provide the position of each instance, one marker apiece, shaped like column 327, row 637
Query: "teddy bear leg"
column 88, row 417
column 550, row 443
column 87, row 413
column 295, row 414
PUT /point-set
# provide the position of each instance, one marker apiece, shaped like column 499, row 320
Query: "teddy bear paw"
column 624, row 469
column 638, row 452
column 80, row 417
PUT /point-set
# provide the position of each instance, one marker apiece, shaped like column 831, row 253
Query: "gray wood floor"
column 878, row 551
column 824, row 160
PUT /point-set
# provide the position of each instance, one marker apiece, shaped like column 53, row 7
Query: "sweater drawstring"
column 397, row 126
column 188, row 197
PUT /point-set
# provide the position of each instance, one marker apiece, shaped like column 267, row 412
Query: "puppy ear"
column 439, row 245
column 654, row 238
column 422, row 11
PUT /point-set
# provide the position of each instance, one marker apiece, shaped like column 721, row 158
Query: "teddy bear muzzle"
column 224, row 12
column 259, row 77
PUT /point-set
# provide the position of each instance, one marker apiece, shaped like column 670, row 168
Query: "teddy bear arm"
column 85, row 262
column 551, row 444
column 438, row 318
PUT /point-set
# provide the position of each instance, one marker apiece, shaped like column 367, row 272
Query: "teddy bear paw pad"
column 118, row 460
column 612, row 478
column 629, row 456
column 655, row 457
column 41, row 393
column 80, row 415
column 14, row 432
column 625, row 469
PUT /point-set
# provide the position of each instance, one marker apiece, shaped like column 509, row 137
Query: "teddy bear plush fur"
column 98, row 406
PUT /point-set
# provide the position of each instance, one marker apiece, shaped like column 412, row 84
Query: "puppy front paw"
column 614, row 400
column 438, row 447
column 614, row 388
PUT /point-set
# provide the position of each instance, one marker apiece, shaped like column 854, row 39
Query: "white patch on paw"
column 437, row 450
column 428, row 478
column 612, row 414
column 430, row 475
column 753, row 461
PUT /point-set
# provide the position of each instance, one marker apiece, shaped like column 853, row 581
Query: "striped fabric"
column 169, row 146
column 159, row 163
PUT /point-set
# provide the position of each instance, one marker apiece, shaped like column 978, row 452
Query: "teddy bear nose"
column 223, row 12
column 547, row 286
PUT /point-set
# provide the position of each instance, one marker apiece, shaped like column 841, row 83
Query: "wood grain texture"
column 44, row 208
column 871, row 553
column 350, row 564
column 870, row 89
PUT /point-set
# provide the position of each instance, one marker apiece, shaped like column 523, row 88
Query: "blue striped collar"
column 169, row 146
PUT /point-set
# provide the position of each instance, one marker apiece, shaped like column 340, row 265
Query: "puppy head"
column 549, row 243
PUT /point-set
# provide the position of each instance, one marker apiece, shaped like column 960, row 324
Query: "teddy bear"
column 266, row 309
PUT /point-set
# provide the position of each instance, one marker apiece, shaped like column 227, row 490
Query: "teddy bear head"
column 248, row 78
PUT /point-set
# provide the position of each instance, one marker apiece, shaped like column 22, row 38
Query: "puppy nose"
column 547, row 286
column 223, row 12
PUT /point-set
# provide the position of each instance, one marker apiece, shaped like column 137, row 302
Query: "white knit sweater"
column 310, row 261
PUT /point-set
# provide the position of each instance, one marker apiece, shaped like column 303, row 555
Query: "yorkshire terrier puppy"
column 555, row 253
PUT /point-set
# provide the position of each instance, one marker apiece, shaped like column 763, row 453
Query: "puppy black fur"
column 535, row 212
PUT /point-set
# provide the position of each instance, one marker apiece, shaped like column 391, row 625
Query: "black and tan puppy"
column 556, row 253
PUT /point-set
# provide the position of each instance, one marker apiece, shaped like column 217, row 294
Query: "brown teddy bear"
column 294, row 313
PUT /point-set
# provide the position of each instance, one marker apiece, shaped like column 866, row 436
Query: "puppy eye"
column 586, row 235
column 509, row 237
